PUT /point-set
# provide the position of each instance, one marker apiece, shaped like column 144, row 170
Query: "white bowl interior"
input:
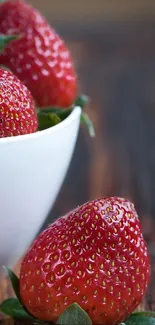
column 32, row 170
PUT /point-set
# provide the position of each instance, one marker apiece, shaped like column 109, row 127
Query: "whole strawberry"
column 95, row 256
column 17, row 110
column 39, row 58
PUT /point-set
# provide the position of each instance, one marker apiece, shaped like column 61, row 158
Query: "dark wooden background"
column 113, row 46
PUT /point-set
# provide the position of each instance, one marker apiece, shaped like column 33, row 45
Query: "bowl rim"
column 75, row 114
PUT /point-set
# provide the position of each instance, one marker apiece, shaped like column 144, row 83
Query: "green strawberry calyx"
column 50, row 116
column 6, row 39
column 72, row 315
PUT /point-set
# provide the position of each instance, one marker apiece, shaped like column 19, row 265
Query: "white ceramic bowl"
column 32, row 170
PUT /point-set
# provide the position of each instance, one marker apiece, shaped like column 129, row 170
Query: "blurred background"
column 113, row 47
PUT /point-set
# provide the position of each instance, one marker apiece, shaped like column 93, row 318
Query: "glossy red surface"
column 39, row 58
column 95, row 256
column 17, row 110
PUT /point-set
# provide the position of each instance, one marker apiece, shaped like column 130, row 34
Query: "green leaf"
column 86, row 120
column 60, row 112
column 14, row 281
column 51, row 116
column 63, row 113
column 82, row 101
column 12, row 307
column 74, row 315
column 5, row 40
column 144, row 313
column 47, row 120
column 140, row 320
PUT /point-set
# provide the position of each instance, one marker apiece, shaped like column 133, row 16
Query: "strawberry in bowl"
column 91, row 265
column 36, row 143
column 39, row 57
column 18, row 114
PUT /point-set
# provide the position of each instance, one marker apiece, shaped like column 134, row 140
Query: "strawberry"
column 39, row 57
column 17, row 111
column 95, row 256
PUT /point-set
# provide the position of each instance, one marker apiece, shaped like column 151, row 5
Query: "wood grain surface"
column 116, row 68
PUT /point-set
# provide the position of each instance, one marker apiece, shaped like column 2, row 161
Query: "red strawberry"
column 39, row 58
column 95, row 256
column 17, row 110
